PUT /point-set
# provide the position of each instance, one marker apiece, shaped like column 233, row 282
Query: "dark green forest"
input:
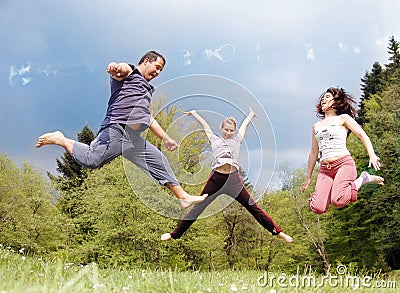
column 84, row 216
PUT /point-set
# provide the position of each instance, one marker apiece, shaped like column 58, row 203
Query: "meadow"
column 21, row 273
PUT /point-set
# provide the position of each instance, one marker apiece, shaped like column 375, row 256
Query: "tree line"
column 100, row 216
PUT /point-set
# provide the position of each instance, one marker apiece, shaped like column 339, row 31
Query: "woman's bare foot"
column 373, row 179
column 285, row 237
column 166, row 236
column 55, row 137
column 366, row 178
column 189, row 200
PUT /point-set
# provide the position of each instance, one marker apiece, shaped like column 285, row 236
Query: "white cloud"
column 22, row 71
column 310, row 52
column 343, row 48
column 381, row 42
column 187, row 56
column 48, row 70
column 223, row 53
column 258, row 50
column 25, row 80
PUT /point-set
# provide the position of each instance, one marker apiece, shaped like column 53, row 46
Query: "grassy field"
column 19, row 273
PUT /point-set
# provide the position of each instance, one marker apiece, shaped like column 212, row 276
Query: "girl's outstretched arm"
column 204, row 124
column 312, row 159
column 351, row 124
column 246, row 122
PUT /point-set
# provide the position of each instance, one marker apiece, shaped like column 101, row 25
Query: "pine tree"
column 71, row 173
column 394, row 53
column 371, row 84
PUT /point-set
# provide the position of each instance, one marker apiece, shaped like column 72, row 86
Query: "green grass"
column 19, row 273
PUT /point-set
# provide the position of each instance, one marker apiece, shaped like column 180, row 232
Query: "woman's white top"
column 225, row 151
column 331, row 139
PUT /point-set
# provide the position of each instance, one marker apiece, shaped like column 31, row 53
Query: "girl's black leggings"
column 232, row 185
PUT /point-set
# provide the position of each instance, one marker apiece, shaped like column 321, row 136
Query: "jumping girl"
column 225, row 177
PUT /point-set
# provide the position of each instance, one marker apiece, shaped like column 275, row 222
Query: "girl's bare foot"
column 189, row 200
column 55, row 137
column 166, row 236
column 285, row 237
column 371, row 179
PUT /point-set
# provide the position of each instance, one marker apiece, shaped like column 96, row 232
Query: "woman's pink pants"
column 335, row 184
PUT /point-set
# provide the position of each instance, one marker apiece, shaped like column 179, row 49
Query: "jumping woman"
column 337, row 182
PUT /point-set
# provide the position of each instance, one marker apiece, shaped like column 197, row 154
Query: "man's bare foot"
column 371, row 179
column 285, row 237
column 166, row 236
column 189, row 200
column 55, row 137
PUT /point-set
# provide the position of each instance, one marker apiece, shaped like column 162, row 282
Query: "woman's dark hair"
column 152, row 56
column 343, row 103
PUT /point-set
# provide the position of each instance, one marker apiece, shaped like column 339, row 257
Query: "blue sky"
column 285, row 53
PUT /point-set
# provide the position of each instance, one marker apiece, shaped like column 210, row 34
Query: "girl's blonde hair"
column 229, row 120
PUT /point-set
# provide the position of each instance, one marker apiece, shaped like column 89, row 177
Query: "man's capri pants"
column 112, row 141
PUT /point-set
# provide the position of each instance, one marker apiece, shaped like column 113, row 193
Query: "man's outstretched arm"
column 156, row 128
column 119, row 70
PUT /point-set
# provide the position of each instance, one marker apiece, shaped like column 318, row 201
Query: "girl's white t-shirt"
column 225, row 151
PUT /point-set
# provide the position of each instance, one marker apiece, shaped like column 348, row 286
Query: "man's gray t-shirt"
column 129, row 101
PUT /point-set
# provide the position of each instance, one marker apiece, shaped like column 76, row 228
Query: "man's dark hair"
column 152, row 56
